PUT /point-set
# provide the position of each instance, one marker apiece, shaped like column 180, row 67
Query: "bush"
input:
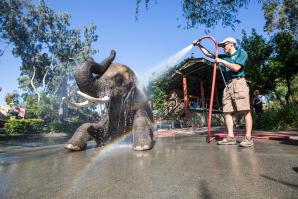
column 278, row 118
column 66, row 126
column 24, row 126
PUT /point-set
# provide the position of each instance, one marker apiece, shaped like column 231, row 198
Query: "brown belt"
column 236, row 78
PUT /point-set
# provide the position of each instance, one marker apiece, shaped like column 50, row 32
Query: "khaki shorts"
column 236, row 96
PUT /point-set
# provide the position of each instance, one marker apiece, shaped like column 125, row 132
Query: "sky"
column 140, row 44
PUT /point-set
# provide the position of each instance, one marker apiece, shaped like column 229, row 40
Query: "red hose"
column 213, row 85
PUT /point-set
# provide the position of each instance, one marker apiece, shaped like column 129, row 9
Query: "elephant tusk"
column 76, row 105
column 104, row 99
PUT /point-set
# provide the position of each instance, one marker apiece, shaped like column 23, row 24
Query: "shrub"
column 24, row 126
column 66, row 126
column 278, row 118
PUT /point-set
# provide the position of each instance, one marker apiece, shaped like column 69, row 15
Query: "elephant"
column 127, row 105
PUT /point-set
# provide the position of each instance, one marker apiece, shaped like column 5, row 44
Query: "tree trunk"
column 33, row 86
column 288, row 91
column 62, row 113
column 279, row 98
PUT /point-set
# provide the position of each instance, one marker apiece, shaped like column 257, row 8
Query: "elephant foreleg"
column 95, row 130
column 79, row 139
column 142, row 131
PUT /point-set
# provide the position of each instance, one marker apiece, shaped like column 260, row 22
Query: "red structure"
column 185, row 97
column 209, row 139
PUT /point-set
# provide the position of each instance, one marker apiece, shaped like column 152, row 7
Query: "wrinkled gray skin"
column 128, row 108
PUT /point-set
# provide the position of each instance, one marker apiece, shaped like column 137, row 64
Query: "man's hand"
column 232, row 66
column 218, row 60
column 195, row 42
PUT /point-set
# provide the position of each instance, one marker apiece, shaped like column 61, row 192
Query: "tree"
column 159, row 87
column 259, row 51
column 272, row 63
column 284, row 60
column 279, row 14
column 48, row 48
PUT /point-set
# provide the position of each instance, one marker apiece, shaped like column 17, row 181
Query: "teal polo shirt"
column 238, row 57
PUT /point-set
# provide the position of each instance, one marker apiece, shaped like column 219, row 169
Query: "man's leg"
column 247, row 141
column 230, row 124
column 248, row 123
column 230, row 140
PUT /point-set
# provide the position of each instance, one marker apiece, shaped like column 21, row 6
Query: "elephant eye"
column 119, row 79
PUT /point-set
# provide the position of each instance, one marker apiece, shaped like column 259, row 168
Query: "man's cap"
column 228, row 39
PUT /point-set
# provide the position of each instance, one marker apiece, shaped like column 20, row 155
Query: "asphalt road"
column 177, row 167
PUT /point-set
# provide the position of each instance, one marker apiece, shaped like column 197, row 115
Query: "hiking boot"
column 247, row 142
column 227, row 141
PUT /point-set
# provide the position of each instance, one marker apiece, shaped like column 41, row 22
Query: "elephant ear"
column 104, row 65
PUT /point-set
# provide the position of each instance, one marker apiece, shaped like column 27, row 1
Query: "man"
column 236, row 93
column 257, row 102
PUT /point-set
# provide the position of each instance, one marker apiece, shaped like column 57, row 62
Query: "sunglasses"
column 224, row 45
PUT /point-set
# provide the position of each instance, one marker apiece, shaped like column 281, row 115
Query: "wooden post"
column 185, row 97
column 202, row 93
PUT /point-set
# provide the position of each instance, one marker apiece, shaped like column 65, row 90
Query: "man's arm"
column 232, row 66
column 240, row 62
column 205, row 51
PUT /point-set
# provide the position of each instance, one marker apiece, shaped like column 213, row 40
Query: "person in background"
column 236, row 93
column 257, row 102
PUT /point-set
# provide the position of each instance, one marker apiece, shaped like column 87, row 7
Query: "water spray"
column 165, row 64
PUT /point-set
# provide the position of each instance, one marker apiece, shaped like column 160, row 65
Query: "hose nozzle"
column 195, row 42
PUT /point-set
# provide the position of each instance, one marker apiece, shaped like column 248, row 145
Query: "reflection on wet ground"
column 177, row 167
column 33, row 140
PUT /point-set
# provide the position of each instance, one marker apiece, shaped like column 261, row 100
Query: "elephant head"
column 102, row 82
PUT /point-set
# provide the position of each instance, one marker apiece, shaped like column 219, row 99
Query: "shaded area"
column 204, row 190
column 295, row 169
column 281, row 181
column 290, row 142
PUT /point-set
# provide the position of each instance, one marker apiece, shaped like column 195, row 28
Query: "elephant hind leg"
column 142, row 131
column 79, row 139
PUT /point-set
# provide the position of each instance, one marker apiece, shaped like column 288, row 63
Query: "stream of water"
column 165, row 64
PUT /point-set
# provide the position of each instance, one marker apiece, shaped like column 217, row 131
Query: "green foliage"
column 273, row 64
column 259, row 51
column 46, row 109
column 12, row 98
column 65, row 127
column 279, row 14
column 49, row 50
column 24, row 126
column 159, row 87
column 210, row 13
column 278, row 118
column 284, row 60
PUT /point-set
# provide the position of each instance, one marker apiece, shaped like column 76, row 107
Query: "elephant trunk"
column 85, row 79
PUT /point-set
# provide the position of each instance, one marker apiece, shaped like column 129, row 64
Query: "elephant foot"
column 142, row 140
column 142, row 148
column 142, row 132
column 72, row 147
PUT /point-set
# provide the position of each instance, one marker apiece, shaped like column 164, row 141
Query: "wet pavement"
column 177, row 167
